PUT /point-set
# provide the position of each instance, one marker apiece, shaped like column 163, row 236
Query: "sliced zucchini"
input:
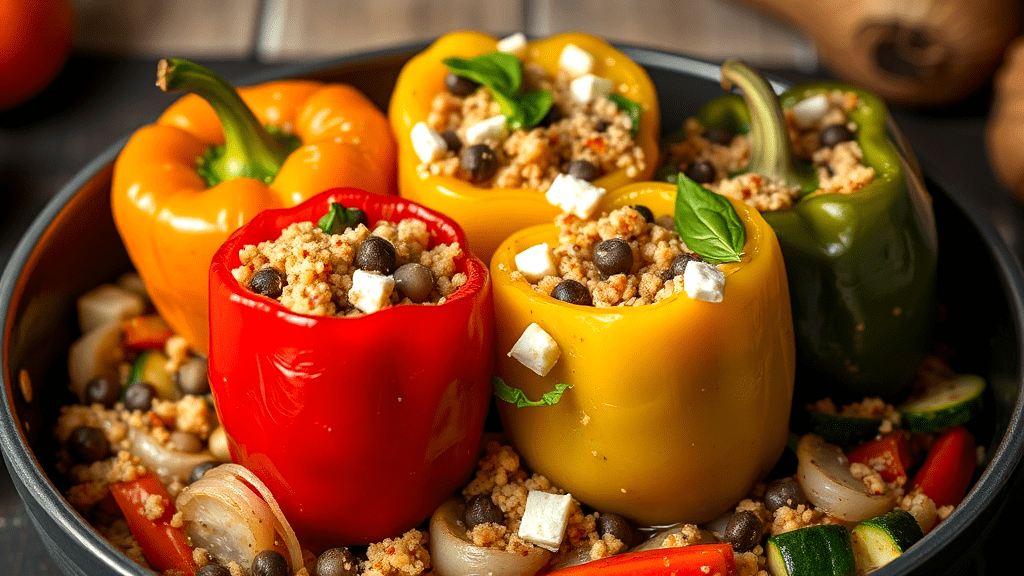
column 151, row 367
column 878, row 541
column 843, row 430
column 105, row 304
column 814, row 551
column 948, row 404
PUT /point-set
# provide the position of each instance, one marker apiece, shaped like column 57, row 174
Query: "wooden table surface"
column 98, row 100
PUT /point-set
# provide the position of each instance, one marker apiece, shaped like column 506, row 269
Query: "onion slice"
column 654, row 542
column 232, row 514
column 451, row 554
column 168, row 465
column 824, row 474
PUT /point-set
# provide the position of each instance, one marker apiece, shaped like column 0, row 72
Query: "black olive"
column 414, row 281
column 269, row 563
column 480, row 161
column 480, row 509
column 102, row 390
column 784, row 492
column 213, row 570
column 583, row 169
column 267, row 282
column 717, row 135
column 202, row 468
column 701, row 172
column 743, row 531
column 459, row 85
column 192, row 378
column 376, row 254
column 337, row 562
column 553, row 115
column 613, row 256
column 601, row 125
column 835, row 134
column 617, row 526
column 88, row 444
column 645, row 212
column 678, row 266
column 572, row 292
column 452, row 141
column 139, row 396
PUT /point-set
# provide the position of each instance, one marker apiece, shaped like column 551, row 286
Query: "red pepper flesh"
column 947, row 470
column 163, row 545
column 697, row 560
column 889, row 455
column 360, row 426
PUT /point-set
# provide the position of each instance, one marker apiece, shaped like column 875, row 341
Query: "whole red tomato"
column 35, row 39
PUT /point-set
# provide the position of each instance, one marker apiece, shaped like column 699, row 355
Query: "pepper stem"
column 250, row 151
column 770, row 153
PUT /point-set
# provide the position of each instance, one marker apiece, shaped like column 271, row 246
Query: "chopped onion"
column 233, row 515
column 169, row 465
column 451, row 554
column 824, row 474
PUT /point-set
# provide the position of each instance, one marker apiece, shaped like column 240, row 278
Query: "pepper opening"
column 250, row 150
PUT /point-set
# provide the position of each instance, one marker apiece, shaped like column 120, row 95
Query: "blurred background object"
column 35, row 39
column 1004, row 131
column 920, row 52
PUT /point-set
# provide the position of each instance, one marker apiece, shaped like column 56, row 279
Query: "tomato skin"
column 35, row 40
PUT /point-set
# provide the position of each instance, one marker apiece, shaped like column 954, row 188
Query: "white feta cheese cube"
column 575, row 60
column 588, row 87
column 536, row 350
column 574, row 195
column 536, row 262
column 495, row 126
column 545, row 519
column 704, row 281
column 427, row 143
column 809, row 111
column 514, row 44
column 370, row 291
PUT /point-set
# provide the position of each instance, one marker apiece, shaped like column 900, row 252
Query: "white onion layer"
column 824, row 474
column 451, row 554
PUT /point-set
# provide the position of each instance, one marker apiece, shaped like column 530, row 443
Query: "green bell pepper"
column 861, row 266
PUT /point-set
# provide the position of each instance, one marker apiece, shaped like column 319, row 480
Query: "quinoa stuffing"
column 584, row 134
column 356, row 272
column 617, row 259
column 715, row 158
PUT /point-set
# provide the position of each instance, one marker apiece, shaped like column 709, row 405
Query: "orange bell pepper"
column 489, row 215
column 217, row 157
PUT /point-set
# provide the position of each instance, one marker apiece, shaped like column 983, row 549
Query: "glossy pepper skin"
column 489, row 215
column 360, row 426
column 861, row 266
column 171, row 220
column 677, row 408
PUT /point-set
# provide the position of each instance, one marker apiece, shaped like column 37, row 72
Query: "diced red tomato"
column 946, row 473
column 144, row 332
column 889, row 455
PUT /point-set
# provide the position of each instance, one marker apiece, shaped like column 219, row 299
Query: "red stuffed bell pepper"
column 360, row 426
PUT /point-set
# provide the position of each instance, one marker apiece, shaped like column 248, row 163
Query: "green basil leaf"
column 708, row 223
column 338, row 219
column 496, row 70
column 533, row 107
column 631, row 108
column 516, row 396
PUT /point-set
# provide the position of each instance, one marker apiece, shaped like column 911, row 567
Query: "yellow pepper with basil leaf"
column 217, row 157
column 665, row 412
column 487, row 210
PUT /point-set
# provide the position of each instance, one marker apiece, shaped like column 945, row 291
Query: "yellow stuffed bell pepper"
column 489, row 213
column 675, row 408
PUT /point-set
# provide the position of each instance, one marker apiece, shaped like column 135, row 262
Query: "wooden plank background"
column 295, row 30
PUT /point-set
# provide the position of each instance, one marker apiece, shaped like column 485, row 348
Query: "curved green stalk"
column 250, row 150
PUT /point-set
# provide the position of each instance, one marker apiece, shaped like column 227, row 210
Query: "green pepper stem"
column 250, row 151
column 770, row 153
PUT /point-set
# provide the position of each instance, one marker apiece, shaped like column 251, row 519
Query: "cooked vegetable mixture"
column 160, row 447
